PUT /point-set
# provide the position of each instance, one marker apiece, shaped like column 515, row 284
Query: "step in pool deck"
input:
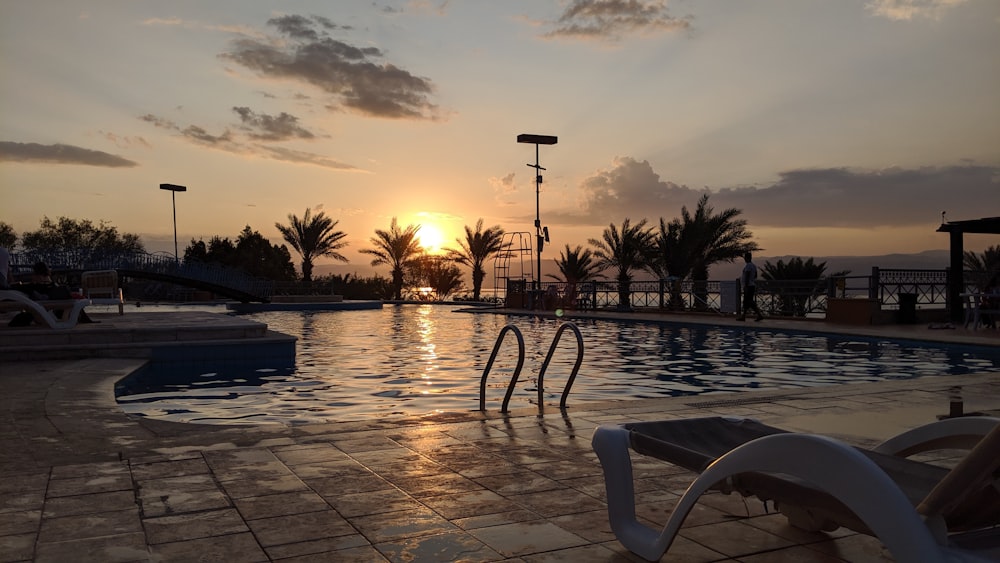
column 82, row 481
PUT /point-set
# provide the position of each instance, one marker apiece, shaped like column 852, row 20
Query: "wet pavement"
column 82, row 481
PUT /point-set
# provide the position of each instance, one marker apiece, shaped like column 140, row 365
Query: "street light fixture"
column 541, row 235
column 173, row 189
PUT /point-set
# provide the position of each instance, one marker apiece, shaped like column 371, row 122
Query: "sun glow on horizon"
column 431, row 238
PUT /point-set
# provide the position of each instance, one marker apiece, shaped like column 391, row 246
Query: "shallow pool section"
column 415, row 360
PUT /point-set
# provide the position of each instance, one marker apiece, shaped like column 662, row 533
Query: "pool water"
column 415, row 360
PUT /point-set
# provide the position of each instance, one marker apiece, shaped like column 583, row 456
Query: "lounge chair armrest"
column 960, row 433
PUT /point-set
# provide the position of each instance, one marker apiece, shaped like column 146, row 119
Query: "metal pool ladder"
column 520, row 364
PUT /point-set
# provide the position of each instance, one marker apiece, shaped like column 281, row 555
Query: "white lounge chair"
column 101, row 287
column 41, row 310
column 920, row 512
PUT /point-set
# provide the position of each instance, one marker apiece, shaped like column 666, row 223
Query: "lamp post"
column 541, row 234
column 173, row 189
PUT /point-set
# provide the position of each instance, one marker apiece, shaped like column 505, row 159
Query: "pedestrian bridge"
column 163, row 267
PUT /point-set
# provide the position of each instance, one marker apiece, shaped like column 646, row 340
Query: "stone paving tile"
column 84, row 526
column 498, row 519
column 194, row 525
column 181, row 501
column 435, row 485
column 583, row 554
column 256, row 488
column 372, row 502
column 557, row 502
column 451, row 546
column 566, row 469
column 518, row 482
column 793, row 554
column 365, row 554
column 152, row 488
column 329, row 469
column 348, row 484
column 232, row 547
column 281, row 504
column 856, row 548
column 90, row 469
column 104, row 549
column 735, row 539
column 164, row 469
column 19, row 522
column 264, row 470
column 468, row 504
column 391, row 526
column 84, row 485
column 593, row 525
column 307, row 454
column 22, row 482
column 525, row 538
column 17, row 547
column 321, row 546
column 89, row 504
column 682, row 549
column 21, row 502
column 297, row 528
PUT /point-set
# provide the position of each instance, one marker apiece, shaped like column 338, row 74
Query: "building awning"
column 988, row 225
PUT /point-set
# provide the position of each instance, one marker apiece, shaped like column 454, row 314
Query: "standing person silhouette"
column 749, row 282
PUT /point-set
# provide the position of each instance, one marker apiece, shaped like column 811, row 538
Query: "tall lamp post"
column 173, row 189
column 541, row 234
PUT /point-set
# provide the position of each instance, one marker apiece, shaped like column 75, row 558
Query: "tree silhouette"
column 624, row 251
column 475, row 250
column 395, row 248
column 313, row 236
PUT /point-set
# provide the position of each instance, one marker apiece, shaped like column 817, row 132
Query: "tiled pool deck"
column 82, row 481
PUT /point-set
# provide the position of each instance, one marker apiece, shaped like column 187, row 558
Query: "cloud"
column 60, row 154
column 504, row 188
column 274, row 129
column 265, row 127
column 609, row 20
column 905, row 10
column 356, row 77
column 125, row 141
column 829, row 197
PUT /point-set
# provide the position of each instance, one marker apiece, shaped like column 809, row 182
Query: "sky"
column 837, row 127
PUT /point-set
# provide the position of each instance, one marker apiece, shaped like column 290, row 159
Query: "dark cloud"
column 832, row 197
column 264, row 127
column 271, row 128
column 356, row 76
column 613, row 19
column 302, row 157
column 60, row 154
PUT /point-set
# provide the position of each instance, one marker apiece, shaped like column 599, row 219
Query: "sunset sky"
column 838, row 127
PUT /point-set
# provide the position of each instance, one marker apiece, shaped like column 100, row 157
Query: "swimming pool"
column 420, row 359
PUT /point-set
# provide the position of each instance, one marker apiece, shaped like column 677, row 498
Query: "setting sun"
column 431, row 238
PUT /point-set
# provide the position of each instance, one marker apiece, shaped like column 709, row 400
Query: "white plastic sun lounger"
column 920, row 512
column 40, row 310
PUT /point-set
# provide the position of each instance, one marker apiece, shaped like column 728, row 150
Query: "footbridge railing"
column 223, row 280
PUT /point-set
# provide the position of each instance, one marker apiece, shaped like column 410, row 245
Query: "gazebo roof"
column 987, row 225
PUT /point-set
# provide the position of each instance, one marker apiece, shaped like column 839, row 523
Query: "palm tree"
column 313, row 237
column 625, row 251
column 396, row 248
column 984, row 267
column 690, row 245
column 475, row 250
column 797, row 281
column 576, row 265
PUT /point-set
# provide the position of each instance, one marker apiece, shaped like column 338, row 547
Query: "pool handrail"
column 489, row 365
column 576, row 366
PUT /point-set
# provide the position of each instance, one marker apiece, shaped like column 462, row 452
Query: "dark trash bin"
column 907, row 308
